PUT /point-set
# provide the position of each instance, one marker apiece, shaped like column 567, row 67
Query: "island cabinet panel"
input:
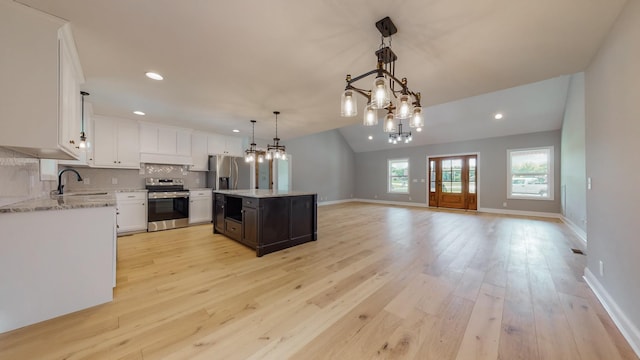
column 267, row 223
column 250, row 226
column 218, row 214
column 302, row 223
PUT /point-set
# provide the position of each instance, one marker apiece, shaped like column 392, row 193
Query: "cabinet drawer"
column 200, row 194
column 250, row 202
column 233, row 229
column 138, row 195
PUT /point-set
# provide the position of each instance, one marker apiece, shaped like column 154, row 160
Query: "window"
column 399, row 176
column 530, row 173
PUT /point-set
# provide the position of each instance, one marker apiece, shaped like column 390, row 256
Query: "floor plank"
column 381, row 282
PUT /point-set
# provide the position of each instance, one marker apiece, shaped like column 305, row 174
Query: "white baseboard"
column 425, row 205
column 626, row 327
column 387, row 202
column 521, row 213
column 581, row 234
column 333, row 202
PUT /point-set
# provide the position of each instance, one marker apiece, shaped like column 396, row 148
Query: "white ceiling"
column 226, row 62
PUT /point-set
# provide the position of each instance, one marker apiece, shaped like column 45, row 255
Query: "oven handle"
column 154, row 196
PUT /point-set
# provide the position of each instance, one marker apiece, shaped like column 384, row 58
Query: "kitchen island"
column 266, row 220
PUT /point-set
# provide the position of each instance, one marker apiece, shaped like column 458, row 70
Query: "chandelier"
column 387, row 92
column 275, row 150
column 253, row 153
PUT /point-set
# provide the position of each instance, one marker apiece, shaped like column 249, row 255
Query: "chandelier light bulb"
column 268, row 156
column 349, row 104
column 404, row 109
column 419, row 129
column 370, row 116
column 389, row 124
column 390, row 140
column 380, row 94
column 260, row 158
column 417, row 120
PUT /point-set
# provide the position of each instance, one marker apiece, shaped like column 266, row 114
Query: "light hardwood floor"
column 380, row 282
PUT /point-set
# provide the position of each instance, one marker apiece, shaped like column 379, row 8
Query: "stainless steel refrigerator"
column 228, row 172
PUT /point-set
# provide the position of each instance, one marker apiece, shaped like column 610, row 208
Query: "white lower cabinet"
column 200, row 206
column 131, row 211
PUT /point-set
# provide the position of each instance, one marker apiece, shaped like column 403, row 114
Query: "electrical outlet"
column 588, row 183
column 375, row 196
column 197, row 181
column 409, row 197
column 86, row 181
column 114, row 181
column 504, row 204
column 601, row 268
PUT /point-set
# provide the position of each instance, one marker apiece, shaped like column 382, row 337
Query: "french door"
column 453, row 182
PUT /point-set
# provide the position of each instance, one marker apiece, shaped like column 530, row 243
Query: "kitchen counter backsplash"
column 20, row 178
column 103, row 179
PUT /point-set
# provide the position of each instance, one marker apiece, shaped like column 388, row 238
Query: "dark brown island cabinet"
column 266, row 220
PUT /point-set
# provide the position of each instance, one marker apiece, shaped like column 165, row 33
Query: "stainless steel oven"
column 168, row 204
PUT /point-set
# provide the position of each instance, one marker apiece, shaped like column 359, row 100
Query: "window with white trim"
column 530, row 173
column 398, row 176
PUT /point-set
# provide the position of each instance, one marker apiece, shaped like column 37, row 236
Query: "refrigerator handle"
column 235, row 174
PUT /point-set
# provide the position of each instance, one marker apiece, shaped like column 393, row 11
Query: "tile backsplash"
column 20, row 177
column 114, row 179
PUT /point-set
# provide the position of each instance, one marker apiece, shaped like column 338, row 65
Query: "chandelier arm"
column 364, row 75
column 365, row 93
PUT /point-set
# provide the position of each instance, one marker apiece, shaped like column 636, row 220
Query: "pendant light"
column 252, row 152
column 276, row 151
column 83, row 136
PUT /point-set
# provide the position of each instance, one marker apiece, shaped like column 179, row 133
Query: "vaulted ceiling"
column 226, row 62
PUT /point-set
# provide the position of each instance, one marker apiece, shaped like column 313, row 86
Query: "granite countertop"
column 63, row 202
column 259, row 193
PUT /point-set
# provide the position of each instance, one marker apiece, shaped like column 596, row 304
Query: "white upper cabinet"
column 115, row 143
column 40, row 87
column 161, row 144
column 199, row 151
column 225, row 145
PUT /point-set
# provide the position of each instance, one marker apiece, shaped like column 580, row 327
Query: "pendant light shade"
column 349, row 104
column 379, row 93
column 370, row 116
column 83, row 135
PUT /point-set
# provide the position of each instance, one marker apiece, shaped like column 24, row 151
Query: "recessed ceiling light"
column 137, row 112
column 498, row 116
column 370, row 137
column 236, row 130
column 154, row 76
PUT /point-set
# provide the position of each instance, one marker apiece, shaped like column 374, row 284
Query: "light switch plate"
column 114, row 181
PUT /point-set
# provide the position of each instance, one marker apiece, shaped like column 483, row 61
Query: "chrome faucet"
column 60, row 186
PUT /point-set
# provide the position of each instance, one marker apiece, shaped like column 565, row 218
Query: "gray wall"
column 573, row 179
column 323, row 163
column 371, row 170
column 612, row 85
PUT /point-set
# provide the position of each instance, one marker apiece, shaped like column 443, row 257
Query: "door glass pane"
column 472, row 175
column 432, row 176
column 452, row 176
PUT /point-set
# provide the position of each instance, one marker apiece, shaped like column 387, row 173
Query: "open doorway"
column 453, row 182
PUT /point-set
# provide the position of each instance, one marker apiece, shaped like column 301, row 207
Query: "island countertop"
column 262, row 193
